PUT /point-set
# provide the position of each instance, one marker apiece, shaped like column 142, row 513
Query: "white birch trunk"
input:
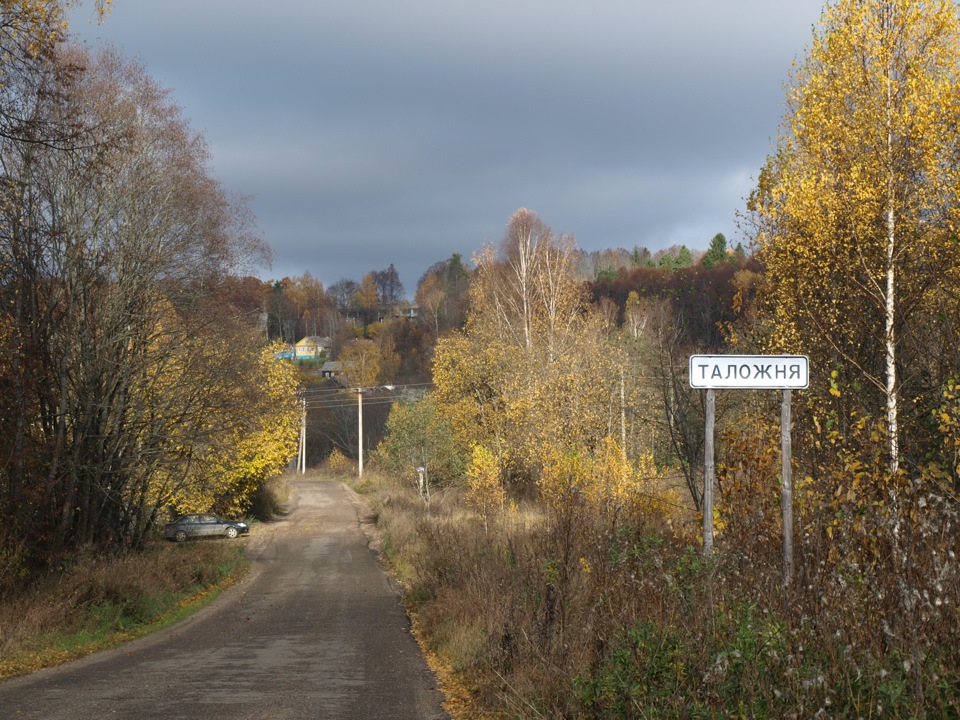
column 891, row 347
column 890, row 344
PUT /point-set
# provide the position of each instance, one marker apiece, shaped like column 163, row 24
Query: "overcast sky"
column 372, row 132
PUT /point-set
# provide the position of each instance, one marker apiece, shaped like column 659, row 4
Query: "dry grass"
column 580, row 615
column 96, row 601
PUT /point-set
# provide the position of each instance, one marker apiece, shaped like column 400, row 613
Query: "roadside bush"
column 486, row 493
column 646, row 674
column 339, row 464
column 270, row 497
column 420, row 436
column 590, row 603
column 871, row 616
column 13, row 560
column 519, row 601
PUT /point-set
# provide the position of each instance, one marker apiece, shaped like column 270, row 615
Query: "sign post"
column 708, row 472
column 786, row 487
column 750, row 372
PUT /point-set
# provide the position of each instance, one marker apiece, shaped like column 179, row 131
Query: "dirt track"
column 314, row 632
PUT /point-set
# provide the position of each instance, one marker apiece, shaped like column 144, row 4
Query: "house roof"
column 312, row 340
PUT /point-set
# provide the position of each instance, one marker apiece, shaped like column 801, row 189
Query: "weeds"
column 99, row 601
column 568, row 612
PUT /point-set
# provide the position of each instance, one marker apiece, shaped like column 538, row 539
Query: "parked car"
column 203, row 525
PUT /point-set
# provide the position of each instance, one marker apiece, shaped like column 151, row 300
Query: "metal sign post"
column 708, row 472
column 750, row 372
column 786, row 487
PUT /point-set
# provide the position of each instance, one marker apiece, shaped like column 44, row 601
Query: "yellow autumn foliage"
column 270, row 436
column 485, row 486
column 605, row 482
column 256, row 442
column 535, row 368
column 34, row 26
column 856, row 216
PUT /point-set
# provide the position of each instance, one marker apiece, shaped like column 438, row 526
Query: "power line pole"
column 359, row 391
column 302, row 456
column 360, row 432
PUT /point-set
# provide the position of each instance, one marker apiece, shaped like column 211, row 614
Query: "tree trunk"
column 891, row 349
column 890, row 307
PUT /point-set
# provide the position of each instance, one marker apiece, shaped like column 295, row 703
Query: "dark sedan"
column 200, row 525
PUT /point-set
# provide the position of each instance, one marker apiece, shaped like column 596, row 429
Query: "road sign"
column 749, row 372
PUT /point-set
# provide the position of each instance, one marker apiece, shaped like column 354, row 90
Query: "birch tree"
column 534, row 367
column 857, row 211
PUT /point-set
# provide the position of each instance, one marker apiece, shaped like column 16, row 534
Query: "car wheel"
column 231, row 532
column 180, row 535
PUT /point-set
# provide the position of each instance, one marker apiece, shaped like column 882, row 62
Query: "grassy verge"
column 582, row 614
column 97, row 602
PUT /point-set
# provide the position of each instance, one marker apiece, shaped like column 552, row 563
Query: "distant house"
column 331, row 369
column 311, row 347
column 407, row 310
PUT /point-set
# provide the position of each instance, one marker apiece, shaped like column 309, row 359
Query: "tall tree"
column 343, row 292
column 282, row 317
column 443, row 294
column 30, row 31
column 110, row 253
column 363, row 362
column 717, row 252
column 857, row 212
column 314, row 308
column 684, row 257
column 532, row 368
column 432, row 301
column 533, row 292
column 366, row 299
column 388, row 285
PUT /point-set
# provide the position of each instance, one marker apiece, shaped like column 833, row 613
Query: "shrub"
column 419, row 436
column 339, row 464
column 587, row 604
column 270, row 497
column 486, row 492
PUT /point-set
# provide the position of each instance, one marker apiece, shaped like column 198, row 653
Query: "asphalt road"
column 315, row 631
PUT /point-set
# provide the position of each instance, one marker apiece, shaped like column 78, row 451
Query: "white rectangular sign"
column 750, row 372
